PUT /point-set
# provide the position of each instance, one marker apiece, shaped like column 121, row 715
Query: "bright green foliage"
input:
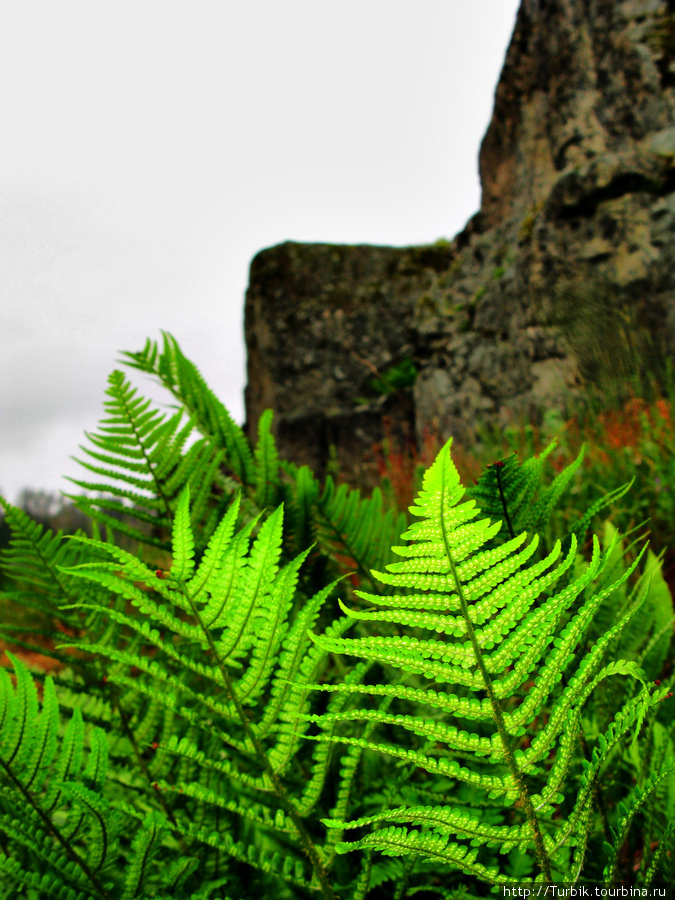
column 32, row 561
column 484, row 710
column 359, row 529
column 508, row 491
column 187, row 385
column 505, row 645
column 148, row 447
column 646, row 638
column 267, row 463
column 143, row 459
column 224, row 642
column 350, row 529
column 60, row 835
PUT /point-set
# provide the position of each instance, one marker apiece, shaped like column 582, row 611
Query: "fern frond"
column 183, row 542
column 506, row 491
column 540, row 512
column 61, row 887
column 178, row 872
column 144, row 847
column 271, row 625
column 266, row 464
column 150, row 470
column 504, row 626
column 296, row 654
column 630, row 715
column 32, row 561
column 70, row 759
column 448, row 820
column 103, row 823
column 187, row 385
column 485, row 691
column 664, row 849
column 649, row 636
column 300, row 503
column 436, row 848
column 628, row 810
column 237, row 606
column 354, row 530
column 61, row 835
column 28, row 745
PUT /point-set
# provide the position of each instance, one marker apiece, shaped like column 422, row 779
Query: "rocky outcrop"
column 323, row 324
column 564, row 279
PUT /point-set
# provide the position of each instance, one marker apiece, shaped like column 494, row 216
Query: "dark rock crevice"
column 627, row 183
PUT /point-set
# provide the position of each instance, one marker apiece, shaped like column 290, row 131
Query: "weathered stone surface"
column 564, row 278
column 322, row 322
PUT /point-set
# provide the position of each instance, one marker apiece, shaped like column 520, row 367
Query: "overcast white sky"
column 149, row 149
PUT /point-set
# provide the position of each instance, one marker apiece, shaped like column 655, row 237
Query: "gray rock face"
column 322, row 323
column 565, row 278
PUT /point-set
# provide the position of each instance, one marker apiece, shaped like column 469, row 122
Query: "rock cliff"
column 563, row 279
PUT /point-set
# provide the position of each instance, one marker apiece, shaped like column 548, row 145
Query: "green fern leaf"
column 271, row 626
column 624, row 720
column 506, row 491
column 144, row 847
column 266, row 463
column 97, row 764
column 211, row 564
column 240, row 599
column 104, row 823
column 300, row 504
column 183, row 541
column 296, row 650
column 187, row 385
column 70, row 759
column 32, row 561
column 227, row 581
column 45, row 741
column 356, row 531
column 664, row 849
column 541, row 511
column 504, row 625
column 151, row 469
column 395, row 841
column 19, row 725
column 261, row 570
column 638, row 799
column 28, row 749
column 42, row 885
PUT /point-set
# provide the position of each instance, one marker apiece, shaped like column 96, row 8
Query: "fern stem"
column 497, row 712
column 72, row 854
column 305, row 840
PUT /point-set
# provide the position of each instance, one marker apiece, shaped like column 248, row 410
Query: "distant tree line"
column 50, row 509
